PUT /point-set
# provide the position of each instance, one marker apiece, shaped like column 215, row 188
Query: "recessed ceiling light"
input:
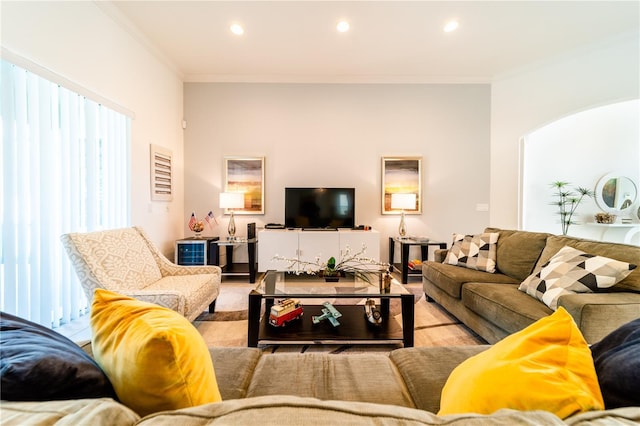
column 237, row 29
column 451, row 26
column 342, row 27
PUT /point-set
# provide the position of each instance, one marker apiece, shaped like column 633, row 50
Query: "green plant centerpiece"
column 356, row 264
column 567, row 200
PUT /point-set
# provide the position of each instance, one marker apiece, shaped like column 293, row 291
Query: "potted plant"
column 567, row 200
column 356, row 264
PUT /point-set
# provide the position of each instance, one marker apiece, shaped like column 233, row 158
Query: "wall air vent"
column 161, row 174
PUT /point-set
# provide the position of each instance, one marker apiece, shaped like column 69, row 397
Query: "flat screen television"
column 319, row 207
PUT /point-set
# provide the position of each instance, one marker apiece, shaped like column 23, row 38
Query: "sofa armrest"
column 598, row 314
column 439, row 255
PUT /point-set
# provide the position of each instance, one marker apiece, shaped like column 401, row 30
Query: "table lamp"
column 403, row 202
column 231, row 200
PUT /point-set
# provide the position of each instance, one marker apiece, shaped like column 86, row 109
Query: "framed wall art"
column 401, row 175
column 246, row 175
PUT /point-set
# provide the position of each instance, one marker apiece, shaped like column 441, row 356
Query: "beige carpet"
column 228, row 325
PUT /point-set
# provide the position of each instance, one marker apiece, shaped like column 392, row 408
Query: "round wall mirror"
column 615, row 193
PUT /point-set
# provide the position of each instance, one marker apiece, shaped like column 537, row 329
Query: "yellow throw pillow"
column 547, row 366
column 154, row 357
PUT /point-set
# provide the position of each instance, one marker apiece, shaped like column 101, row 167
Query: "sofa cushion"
column 283, row 410
column 573, row 271
column 449, row 278
column 474, row 251
column 547, row 366
column 89, row 412
column 503, row 305
column 347, row 378
column 623, row 252
column 39, row 364
column 617, row 362
column 598, row 314
column 234, row 369
column 155, row 358
column 518, row 251
column 425, row 370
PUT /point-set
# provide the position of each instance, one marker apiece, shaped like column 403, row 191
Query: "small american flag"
column 210, row 218
column 193, row 220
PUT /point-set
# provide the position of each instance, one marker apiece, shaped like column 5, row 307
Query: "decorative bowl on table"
column 607, row 218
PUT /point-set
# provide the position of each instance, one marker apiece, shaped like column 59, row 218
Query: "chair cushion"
column 120, row 257
column 155, row 358
column 182, row 293
column 547, row 366
column 39, row 364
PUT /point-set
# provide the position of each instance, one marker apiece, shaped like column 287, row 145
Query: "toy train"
column 285, row 311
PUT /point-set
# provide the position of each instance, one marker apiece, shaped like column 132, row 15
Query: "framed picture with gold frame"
column 246, row 175
column 401, row 175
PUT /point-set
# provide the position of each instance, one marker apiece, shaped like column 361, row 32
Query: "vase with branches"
column 567, row 199
column 354, row 263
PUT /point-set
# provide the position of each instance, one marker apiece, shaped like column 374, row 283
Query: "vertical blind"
column 65, row 168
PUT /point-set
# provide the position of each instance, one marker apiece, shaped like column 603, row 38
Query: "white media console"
column 306, row 245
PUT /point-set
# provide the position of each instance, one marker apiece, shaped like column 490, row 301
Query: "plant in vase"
column 356, row 264
column 567, row 200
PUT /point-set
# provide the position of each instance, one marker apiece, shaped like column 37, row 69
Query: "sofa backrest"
column 518, row 251
column 117, row 260
column 622, row 252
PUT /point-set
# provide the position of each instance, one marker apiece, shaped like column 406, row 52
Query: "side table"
column 405, row 244
column 240, row 268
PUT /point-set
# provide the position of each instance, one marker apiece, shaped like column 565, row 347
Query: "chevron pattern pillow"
column 474, row 251
column 574, row 271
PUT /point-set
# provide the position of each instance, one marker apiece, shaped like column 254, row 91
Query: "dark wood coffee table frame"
column 353, row 329
column 405, row 245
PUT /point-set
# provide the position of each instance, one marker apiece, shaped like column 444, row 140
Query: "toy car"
column 285, row 311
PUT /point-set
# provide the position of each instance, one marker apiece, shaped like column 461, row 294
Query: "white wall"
column 78, row 41
column 335, row 135
column 520, row 103
column 610, row 135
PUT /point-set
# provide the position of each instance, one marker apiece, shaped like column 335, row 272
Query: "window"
column 65, row 168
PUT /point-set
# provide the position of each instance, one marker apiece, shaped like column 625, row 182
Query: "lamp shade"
column 231, row 200
column 403, row 201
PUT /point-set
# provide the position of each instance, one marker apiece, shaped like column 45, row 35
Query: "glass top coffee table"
column 348, row 296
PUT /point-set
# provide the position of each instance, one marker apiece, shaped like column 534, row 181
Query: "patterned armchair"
column 126, row 262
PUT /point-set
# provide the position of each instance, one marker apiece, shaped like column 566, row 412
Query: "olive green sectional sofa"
column 400, row 388
column 492, row 305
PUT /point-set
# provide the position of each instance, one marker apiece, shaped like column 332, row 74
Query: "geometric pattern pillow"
column 574, row 271
column 474, row 251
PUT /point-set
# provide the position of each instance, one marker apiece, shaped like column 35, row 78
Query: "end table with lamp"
column 405, row 245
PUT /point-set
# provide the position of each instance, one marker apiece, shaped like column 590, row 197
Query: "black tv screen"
column 319, row 207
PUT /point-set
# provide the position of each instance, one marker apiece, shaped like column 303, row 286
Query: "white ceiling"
column 389, row 41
